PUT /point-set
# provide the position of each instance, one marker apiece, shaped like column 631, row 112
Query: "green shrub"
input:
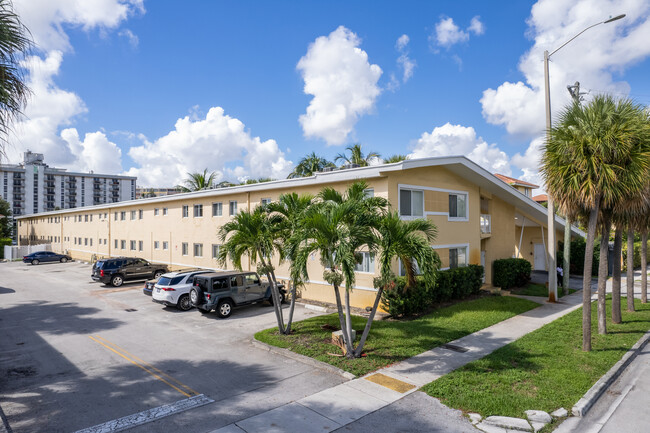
column 637, row 255
column 509, row 273
column 450, row 284
column 577, row 258
column 3, row 242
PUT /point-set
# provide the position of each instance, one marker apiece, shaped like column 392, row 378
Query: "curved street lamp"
column 550, row 245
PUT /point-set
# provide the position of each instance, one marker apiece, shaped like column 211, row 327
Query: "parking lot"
column 76, row 354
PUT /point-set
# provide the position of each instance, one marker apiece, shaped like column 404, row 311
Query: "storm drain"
column 130, row 310
column 455, row 348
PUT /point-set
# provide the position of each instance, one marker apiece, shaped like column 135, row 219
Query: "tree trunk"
column 339, row 307
column 644, row 265
column 292, row 305
column 366, row 330
column 616, row 276
column 275, row 291
column 275, row 295
column 602, row 275
column 348, row 323
column 566, row 265
column 630, row 269
column 586, row 278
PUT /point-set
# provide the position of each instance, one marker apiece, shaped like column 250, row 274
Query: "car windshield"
column 166, row 281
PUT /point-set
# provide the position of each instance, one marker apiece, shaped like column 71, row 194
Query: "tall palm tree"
column 356, row 156
column 395, row 158
column 15, row 44
column 410, row 242
column 253, row 234
column 337, row 226
column 596, row 155
column 198, row 181
column 309, row 165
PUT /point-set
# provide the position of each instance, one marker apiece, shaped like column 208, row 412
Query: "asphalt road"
column 75, row 354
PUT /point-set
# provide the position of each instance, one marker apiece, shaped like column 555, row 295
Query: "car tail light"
column 168, row 289
column 207, row 295
column 101, row 273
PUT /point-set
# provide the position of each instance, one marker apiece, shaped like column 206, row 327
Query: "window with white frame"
column 186, row 211
column 123, row 244
column 164, row 211
column 369, row 192
column 165, row 245
column 122, row 215
column 215, row 251
column 198, row 250
column 367, row 263
column 140, row 214
column 266, row 201
column 402, row 268
column 411, row 202
column 140, row 246
column 198, row 210
column 132, row 245
column 156, row 211
column 458, row 206
column 116, row 243
column 184, row 248
column 233, row 208
column 457, row 257
column 217, row 209
column 156, row 245
column 133, row 213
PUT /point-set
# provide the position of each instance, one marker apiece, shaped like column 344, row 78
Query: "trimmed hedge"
column 456, row 283
column 509, row 273
column 577, row 258
column 3, row 242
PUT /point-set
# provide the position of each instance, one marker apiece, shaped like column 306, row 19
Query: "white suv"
column 173, row 288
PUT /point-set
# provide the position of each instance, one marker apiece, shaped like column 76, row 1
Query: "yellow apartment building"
column 479, row 217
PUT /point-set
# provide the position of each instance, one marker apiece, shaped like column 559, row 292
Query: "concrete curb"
column 316, row 307
column 301, row 358
column 587, row 401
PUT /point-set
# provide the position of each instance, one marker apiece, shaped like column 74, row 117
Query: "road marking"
column 149, row 415
column 155, row 372
column 390, row 383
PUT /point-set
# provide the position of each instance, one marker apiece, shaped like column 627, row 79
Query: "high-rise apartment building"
column 32, row 187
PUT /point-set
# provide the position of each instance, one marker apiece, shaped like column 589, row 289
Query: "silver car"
column 173, row 288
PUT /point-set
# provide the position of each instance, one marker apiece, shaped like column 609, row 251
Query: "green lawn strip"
column 392, row 341
column 534, row 289
column 543, row 370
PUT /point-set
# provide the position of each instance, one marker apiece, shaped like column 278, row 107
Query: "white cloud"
column 46, row 18
column 402, row 42
column 217, row 142
column 451, row 139
column 476, row 26
column 404, row 61
column 344, row 85
column 448, row 33
column 529, row 163
column 131, row 37
column 593, row 59
column 94, row 153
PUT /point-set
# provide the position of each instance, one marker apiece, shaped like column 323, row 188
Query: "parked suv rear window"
column 219, row 284
column 166, row 281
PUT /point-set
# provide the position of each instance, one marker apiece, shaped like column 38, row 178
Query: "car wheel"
column 184, row 303
column 35, row 262
column 157, row 275
column 281, row 298
column 117, row 281
column 224, row 309
column 64, row 259
column 194, row 297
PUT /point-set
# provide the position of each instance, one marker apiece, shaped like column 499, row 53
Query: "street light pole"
column 550, row 245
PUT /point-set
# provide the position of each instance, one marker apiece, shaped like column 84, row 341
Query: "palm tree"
column 356, row 156
column 253, row 234
column 309, row 165
column 410, row 242
column 15, row 43
column 395, row 158
column 198, row 181
column 596, row 155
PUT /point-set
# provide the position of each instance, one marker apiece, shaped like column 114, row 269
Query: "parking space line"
column 153, row 371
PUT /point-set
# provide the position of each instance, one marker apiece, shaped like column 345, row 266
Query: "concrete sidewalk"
column 341, row 405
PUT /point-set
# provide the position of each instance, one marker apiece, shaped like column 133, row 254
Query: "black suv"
column 222, row 291
column 117, row 270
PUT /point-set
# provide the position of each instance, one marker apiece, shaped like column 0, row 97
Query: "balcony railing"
column 486, row 224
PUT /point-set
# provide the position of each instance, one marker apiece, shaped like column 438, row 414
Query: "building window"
column 91, row 218
column 458, row 206
column 217, row 209
column 233, row 208
column 165, row 245
column 85, row 218
column 155, row 212
column 116, row 243
column 122, row 215
column 369, row 192
column 123, row 244
column 115, row 216
column 91, row 242
column 156, row 245
column 140, row 246
column 198, row 250
column 198, row 210
column 164, row 211
column 215, row 251
column 132, row 215
column 411, row 203
column 184, row 248
column 457, row 257
column 367, row 263
column 266, row 201
column 140, row 214
column 132, row 245
column 186, row 211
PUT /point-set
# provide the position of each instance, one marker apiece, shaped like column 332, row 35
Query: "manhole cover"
column 455, row 348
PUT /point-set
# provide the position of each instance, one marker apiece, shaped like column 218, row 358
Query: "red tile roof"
column 540, row 198
column 512, row 181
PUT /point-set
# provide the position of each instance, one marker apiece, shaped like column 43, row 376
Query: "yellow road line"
column 141, row 361
column 192, row 392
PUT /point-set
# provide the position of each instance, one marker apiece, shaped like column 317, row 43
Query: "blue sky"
column 156, row 89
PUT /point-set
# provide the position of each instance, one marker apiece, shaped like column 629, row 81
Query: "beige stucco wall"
column 499, row 244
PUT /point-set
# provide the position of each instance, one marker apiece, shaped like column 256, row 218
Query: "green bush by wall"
column 507, row 273
column 450, row 284
column 3, row 242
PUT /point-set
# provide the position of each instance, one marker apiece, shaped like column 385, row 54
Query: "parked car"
column 45, row 256
column 173, row 288
column 223, row 291
column 148, row 286
column 115, row 271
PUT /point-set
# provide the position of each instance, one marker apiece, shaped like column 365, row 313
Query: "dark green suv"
column 223, row 291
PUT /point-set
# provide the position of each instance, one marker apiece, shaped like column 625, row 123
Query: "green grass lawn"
column 543, row 370
column 392, row 341
column 534, row 289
